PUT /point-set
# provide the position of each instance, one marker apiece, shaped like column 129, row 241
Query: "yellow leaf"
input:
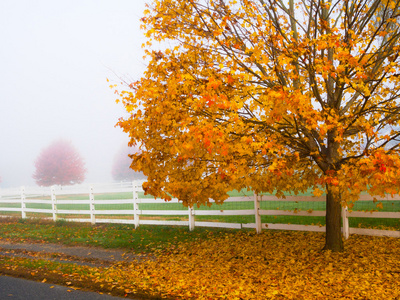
column 317, row 192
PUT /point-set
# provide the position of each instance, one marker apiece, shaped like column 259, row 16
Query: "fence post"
column 53, row 203
column 191, row 218
column 23, row 203
column 135, row 205
column 257, row 213
column 346, row 230
column 92, row 211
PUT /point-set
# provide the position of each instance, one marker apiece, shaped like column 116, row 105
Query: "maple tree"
column 59, row 163
column 270, row 95
column 121, row 170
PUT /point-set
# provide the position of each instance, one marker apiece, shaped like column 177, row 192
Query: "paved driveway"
column 22, row 289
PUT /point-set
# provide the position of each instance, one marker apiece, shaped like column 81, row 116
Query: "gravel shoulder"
column 90, row 256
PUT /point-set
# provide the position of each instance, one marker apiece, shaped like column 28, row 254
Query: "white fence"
column 89, row 205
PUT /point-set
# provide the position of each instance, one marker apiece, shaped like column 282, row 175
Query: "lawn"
column 214, row 263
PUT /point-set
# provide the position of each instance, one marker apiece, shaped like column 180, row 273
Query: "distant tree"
column 59, row 163
column 121, row 170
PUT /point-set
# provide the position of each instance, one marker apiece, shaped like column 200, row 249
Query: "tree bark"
column 333, row 236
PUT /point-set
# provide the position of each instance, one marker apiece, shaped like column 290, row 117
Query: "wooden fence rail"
column 42, row 203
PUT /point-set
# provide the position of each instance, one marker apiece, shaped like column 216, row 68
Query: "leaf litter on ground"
column 245, row 265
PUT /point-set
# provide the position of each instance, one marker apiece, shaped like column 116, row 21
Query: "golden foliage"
column 242, row 97
column 275, row 266
column 243, row 265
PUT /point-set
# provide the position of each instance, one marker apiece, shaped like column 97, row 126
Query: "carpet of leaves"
column 244, row 265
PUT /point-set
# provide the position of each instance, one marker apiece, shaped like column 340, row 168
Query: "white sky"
column 55, row 57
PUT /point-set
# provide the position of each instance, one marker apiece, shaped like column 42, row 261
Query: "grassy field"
column 387, row 206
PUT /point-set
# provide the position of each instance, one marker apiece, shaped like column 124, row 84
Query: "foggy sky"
column 55, row 57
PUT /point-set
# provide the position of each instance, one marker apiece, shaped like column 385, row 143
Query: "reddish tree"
column 121, row 170
column 59, row 163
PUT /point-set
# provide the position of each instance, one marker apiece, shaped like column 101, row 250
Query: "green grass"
column 146, row 238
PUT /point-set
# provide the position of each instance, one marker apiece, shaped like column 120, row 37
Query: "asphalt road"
column 22, row 289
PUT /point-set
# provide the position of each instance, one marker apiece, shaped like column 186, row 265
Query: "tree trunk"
column 333, row 237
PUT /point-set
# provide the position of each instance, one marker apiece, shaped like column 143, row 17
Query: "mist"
column 55, row 59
